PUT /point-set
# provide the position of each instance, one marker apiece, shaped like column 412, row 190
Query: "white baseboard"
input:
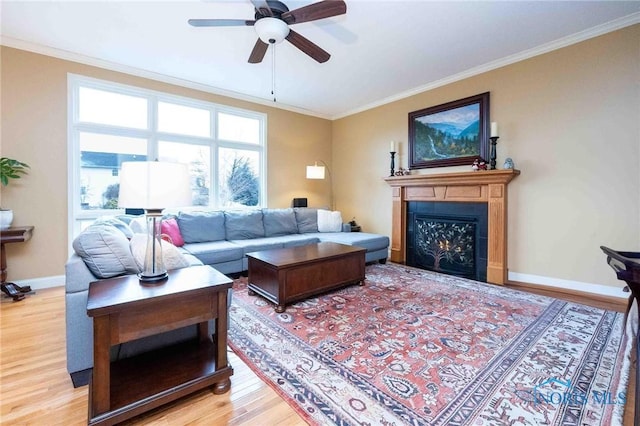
column 44, row 282
column 603, row 290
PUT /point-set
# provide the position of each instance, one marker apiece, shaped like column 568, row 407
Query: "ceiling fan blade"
column 219, row 22
column 308, row 47
column 258, row 52
column 263, row 7
column 315, row 11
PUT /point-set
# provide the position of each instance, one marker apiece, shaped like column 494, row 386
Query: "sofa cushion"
column 279, row 222
column 259, row 244
column 329, row 221
column 243, row 225
column 215, row 252
column 361, row 239
column 171, row 256
column 170, row 227
column 105, row 250
column 307, row 219
column 199, row 227
column 295, row 240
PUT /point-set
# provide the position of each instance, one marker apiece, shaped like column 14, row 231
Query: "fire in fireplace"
column 448, row 237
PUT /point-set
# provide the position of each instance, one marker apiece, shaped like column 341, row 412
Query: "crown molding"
column 138, row 72
column 578, row 37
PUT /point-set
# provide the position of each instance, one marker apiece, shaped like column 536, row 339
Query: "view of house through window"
column 111, row 123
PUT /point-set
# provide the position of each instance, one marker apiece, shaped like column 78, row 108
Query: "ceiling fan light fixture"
column 271, row 30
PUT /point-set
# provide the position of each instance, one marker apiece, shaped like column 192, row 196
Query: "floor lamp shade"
column 315, row 172
column 153, row 186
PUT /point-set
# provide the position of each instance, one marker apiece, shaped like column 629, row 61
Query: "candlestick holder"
column 492, row 155
column 393, row 163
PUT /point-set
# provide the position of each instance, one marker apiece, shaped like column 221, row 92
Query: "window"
column 199, row 159
column 184, row 120
column 110, row 123
column 236, row 128
column 114, row 109
column 238, row 181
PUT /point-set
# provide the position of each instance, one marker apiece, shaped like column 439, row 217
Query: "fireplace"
column 485, row 187
column 448, row 237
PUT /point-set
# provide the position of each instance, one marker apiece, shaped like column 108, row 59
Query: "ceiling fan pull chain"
column 273, row 71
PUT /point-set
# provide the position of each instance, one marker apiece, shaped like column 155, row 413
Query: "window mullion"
column 152, row 148
column 112, row 130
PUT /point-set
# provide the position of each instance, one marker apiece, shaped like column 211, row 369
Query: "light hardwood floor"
column 35, row 388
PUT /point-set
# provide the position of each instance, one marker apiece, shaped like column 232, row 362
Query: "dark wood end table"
column 288, row 274
column 123, row 310
column 17, row 234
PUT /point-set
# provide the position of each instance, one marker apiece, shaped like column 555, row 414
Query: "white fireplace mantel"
column 466, row 187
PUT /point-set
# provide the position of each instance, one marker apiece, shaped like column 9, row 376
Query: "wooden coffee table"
column 289, row 274
column 123, row 309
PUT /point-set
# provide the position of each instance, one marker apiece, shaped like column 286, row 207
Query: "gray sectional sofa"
column 217, row 238
column 223, row 238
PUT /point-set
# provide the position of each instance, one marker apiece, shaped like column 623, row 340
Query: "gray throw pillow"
column 307, row 219
column 200, row 227
column 117, row 222
column 105, row 250
column 279, row 222
column 243, row 225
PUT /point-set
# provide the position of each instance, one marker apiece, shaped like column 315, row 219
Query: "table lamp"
column 154, row 186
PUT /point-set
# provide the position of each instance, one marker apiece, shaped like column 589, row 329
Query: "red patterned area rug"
column 419, row 348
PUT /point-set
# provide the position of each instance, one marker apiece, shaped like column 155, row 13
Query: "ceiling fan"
column 272, row 20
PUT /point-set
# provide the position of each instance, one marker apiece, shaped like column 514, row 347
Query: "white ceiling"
column 381, row 50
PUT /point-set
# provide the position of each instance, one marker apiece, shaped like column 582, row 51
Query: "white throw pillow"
column 329, row 221
column 171, row 256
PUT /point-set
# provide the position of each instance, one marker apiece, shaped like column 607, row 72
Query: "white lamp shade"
column 271, row 30
column 315, row 172
column 154, row 185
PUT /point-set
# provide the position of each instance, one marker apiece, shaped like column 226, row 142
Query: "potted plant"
column 9, row 169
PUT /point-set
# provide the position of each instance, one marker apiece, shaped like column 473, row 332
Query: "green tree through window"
column 110, row 196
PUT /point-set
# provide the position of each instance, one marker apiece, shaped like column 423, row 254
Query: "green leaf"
column 11, row 169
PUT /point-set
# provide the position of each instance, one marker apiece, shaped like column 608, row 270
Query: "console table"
column 123, row 309
column 18, row 234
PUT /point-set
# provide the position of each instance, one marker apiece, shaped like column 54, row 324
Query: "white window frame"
column 153, row 136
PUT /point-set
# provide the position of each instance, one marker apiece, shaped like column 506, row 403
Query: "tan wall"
column 570, row 119
column 34, row 130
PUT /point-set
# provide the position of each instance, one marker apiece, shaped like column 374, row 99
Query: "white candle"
column 494, row 129
column 392, row 146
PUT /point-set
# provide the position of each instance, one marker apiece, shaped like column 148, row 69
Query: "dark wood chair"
column 627, row 267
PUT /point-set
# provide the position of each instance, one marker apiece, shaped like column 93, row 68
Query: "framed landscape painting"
column 451, row 134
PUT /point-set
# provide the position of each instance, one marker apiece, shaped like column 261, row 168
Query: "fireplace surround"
column 488, row 187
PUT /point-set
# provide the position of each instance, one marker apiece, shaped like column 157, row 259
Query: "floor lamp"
column 154, row 186
column 317, row 172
